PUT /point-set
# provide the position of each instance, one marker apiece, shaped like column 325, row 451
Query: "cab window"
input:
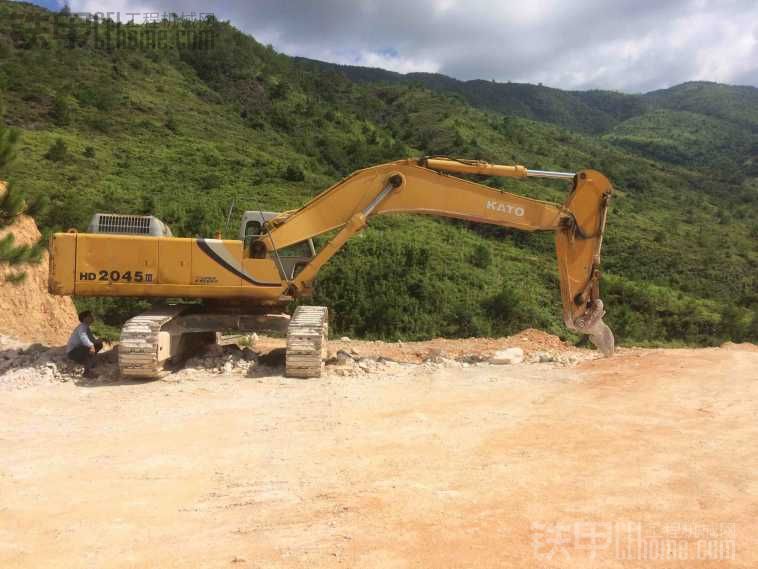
column 252, row 231
column 301, row 249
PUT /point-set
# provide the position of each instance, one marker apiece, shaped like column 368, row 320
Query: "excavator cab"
column 293, row 258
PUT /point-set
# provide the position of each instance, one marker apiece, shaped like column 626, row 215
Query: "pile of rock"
column 222, row 360
column 561, row 358
column 350, row 363
column 25, row 365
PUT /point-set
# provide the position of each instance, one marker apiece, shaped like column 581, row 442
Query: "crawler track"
column 306, row 341
column 141, row 353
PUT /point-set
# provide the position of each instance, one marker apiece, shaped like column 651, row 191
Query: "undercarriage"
column 165, row 335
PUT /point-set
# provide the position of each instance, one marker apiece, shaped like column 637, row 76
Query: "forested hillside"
column 183, row 131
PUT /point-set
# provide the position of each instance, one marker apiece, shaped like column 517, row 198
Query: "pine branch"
column 9, row 138
column 12, row 205
column 14, row 255
column 16, row 278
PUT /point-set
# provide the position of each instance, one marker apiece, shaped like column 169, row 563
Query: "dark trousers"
column 82, row 355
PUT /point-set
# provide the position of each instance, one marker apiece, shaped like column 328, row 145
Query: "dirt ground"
column 610, row 463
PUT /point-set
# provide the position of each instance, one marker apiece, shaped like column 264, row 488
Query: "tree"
column 171, row 123
column 58, row 151
column 12, row 205
column 61, row 111
column 481, row 257
column 293, row 173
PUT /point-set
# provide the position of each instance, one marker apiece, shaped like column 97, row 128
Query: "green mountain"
column 536, row 102
column 689, row 138
column 184, row 130
column 735, row 104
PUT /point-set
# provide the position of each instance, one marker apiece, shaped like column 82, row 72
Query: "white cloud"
column 391, row 62
column 631, row 45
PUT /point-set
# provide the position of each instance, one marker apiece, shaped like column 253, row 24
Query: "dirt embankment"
column 27, row 311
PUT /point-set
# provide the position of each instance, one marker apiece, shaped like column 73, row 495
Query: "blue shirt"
column 79, row 337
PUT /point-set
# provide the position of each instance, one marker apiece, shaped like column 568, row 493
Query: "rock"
column 568, row 359
column 472, row 358
column 344, row 358
column 274, row 358
column 508, row 356
column 545, row 357
column 228, row 367
column 232, row 351
column 34, row 350
column 436, row 356
column 109, row 357
column 214, row 350
column 344, row 339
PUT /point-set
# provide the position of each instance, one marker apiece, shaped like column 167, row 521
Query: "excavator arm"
column 426, row 186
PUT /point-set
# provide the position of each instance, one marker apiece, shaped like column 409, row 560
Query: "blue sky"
column 49, row 4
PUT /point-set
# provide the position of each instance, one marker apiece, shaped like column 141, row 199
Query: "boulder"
column 545, row 357
column 508, row 356
column 344, row 358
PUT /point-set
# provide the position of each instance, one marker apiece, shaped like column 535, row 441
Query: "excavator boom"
column 425, row 187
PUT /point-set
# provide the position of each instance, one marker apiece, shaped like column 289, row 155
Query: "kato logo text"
column 503, row 207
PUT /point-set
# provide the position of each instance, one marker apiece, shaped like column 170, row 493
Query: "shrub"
column 210, row 181
column 61, row 111
column 58, row 151
column 294, row 173
column 481, row 257
column 171, row 123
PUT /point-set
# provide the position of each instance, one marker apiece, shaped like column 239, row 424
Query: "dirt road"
column 510, row 466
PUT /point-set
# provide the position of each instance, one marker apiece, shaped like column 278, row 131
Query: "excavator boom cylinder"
column 486, row 169
column 474, row 167
column 549, row 174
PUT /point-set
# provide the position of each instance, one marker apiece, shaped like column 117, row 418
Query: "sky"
column 625, row 45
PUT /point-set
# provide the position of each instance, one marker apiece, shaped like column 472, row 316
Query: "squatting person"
column 83, row 345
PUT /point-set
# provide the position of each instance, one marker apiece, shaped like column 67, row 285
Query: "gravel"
column 24, row 365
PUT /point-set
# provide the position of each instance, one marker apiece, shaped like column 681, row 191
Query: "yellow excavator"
column 246, row 284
